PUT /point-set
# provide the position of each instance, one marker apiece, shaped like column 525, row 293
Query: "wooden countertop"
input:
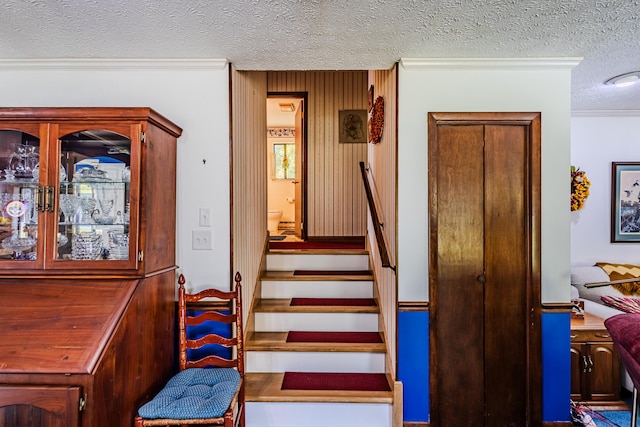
column 50, row 326
column 590, row 321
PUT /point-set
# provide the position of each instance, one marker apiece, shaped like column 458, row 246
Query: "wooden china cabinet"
column 87, row 263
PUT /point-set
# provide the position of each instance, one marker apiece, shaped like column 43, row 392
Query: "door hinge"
column 83, row 403
column 140, row 256
column 143, row 137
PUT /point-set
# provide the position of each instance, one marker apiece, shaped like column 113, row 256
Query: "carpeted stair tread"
column 352, row 302
column 334, row 337
column 267, row 387
column 335, row 381
column 332, row 273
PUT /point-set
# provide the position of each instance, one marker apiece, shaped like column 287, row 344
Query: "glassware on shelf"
column 103, row 214
column 91, row 175
column 106, row 205
column 69, row 204
column 9, row 175
column 22, row 161
column 17, row 243
column 36, row 172
column 86, row 246
column 88, row 206
column 118, row 245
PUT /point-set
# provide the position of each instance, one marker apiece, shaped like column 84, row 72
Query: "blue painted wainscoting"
column 413, row 363
column 556, row 365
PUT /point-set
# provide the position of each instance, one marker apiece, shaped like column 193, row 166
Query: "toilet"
column 273, row 220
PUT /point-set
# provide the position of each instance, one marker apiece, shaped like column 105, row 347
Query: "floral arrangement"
column 376, row 121
column 579, row 188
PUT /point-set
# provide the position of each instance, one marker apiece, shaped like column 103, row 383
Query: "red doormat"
column 335, row 381
column 315, row 245
column 334, row 337
column 333, row 301
column 332, row 273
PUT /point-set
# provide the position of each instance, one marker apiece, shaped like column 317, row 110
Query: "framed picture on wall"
column 353, row 126
column 625, row 202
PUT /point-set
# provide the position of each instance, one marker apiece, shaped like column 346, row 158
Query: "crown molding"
column 563, row 63
column 605, row 113
column 119, row 64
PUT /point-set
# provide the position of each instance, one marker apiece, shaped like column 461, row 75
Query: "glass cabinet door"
column 94, row 195
column 19, row 175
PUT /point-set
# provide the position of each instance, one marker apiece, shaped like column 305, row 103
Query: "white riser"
column 303, row 414
column 290, row 262
column 275, row 361
column 316, row 289
column 325, row 322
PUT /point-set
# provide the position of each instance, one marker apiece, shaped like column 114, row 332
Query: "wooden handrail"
column 377, row 226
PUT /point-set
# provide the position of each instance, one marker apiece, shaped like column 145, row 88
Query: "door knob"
column 481, row 278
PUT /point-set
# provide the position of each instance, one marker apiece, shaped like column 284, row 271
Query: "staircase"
column 293, row 276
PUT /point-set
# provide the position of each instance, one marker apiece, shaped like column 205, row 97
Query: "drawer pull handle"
column 573, row 336
column 603, row 335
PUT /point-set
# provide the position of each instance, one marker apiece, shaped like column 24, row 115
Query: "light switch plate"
column 205, row 217
column 202, row 240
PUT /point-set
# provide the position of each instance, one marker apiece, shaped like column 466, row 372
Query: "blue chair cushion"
column 194, row 393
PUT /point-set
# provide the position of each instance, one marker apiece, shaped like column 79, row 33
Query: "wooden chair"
column 208, row 389
column 625, row 333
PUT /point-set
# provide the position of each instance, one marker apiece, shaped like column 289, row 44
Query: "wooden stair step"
column 290, row 275
column 283, row 305
column 277, row 341
column 267, row 387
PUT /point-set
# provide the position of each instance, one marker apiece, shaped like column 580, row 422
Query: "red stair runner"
column 334, row 337
column 335, row 381
column 332, row 273
column 334, row 301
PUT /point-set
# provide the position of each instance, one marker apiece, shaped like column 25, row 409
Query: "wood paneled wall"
column 383, row 177
column 249, row 187
column 336, row 203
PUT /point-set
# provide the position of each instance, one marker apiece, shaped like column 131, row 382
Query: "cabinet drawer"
column 598, row 335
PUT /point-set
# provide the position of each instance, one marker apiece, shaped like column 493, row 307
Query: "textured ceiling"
column 333, row 34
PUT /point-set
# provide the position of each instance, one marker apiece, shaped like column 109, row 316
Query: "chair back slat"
column 212, row 360
column 215, row 316
column 193, row 348
column 212, row 339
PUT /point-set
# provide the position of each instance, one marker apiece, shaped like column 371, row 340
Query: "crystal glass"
column 118, row 245
column 86, row 246
column 16, row 243
column 88, row 207
column 69, row 204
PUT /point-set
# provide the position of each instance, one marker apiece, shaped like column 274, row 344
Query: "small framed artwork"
column 353, row 126
column 625, row 202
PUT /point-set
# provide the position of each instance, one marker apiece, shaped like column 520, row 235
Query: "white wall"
column 597, row 139
column 191, row 93
column 483, row 85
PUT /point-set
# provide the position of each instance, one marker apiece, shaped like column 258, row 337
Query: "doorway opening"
column 286, row 166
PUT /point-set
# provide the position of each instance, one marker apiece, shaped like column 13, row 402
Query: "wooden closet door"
column 484, row 289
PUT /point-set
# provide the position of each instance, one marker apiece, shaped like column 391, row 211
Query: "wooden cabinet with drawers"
column 595, row 369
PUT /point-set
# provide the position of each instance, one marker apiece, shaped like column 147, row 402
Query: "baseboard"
column 545, row 424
